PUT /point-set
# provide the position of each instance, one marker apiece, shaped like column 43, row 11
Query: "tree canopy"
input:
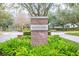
column 64, row 15
column 37, row 9
column 5, row 17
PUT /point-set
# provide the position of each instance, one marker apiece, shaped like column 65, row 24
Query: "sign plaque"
column 39, row 27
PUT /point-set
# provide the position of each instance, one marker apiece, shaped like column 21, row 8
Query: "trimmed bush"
column 26, row 33
column 29, row 33
column 49, row 33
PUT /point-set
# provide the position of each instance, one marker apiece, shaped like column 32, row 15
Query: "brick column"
column 39, row 35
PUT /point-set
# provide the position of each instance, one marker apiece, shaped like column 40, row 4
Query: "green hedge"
column 29, row 33
column 56, row 46
column 49, row 33
column 26, row 33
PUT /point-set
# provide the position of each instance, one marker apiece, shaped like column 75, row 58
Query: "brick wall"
column 39, row 37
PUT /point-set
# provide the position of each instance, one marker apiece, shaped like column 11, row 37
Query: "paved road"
column 8, row 35
column 70, row 37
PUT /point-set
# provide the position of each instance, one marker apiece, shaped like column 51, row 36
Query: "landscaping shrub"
column 56, row 46
column 29, row 33
column 26, row 33
column 49, row 33
column 26, row 30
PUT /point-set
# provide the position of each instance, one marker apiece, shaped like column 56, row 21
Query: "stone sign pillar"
column 39, row 33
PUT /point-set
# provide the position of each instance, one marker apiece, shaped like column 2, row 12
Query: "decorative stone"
column 39, row 33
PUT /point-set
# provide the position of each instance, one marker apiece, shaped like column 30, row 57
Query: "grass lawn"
column 56, row 46
column 0, row 33
column 75, row 33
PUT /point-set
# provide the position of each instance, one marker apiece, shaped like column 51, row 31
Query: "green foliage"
column 62, row 16
column 26, row 33
column 2, row 6
column 26, row 30
column 5, row 19
column 56, row 46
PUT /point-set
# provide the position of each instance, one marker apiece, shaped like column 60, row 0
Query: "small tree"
column 21, row 21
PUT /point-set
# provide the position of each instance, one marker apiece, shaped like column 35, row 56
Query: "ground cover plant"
column 56, row 46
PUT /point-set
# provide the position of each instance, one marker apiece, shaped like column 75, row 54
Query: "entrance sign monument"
column 39, row 30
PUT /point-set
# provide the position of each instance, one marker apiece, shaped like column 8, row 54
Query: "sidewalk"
column 8, row 35
column 70, row 37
